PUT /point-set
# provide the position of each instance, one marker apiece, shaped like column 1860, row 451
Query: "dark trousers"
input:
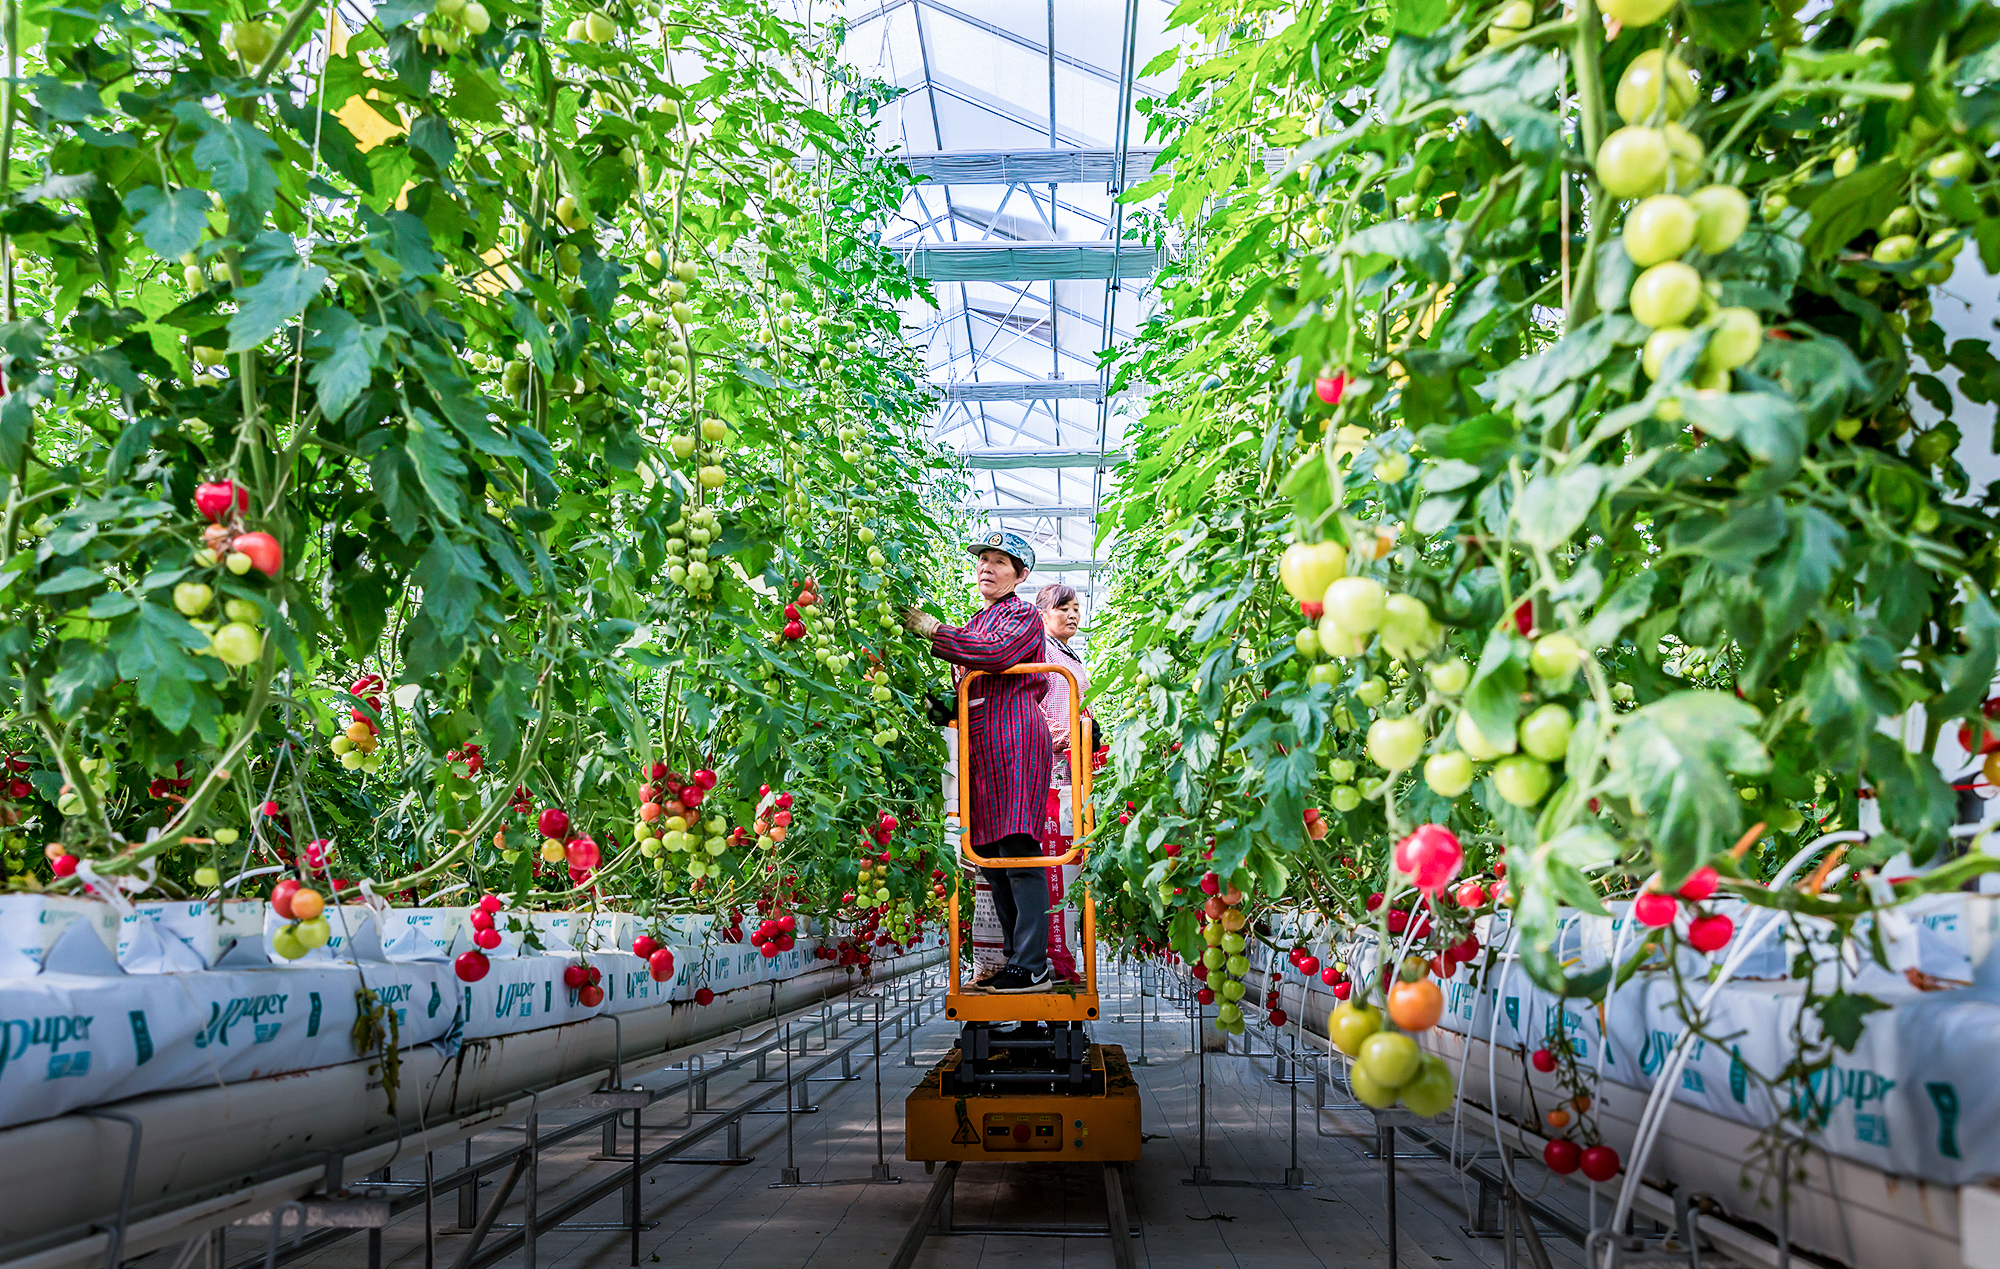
column 1021, row 901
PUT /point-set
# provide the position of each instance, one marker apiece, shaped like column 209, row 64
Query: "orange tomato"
column 1557, row 1118
column 307, row 904
column 1416, row 1006
column 1582, row 1102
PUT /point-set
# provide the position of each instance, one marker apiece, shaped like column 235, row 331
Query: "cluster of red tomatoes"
column 469, row 757
column 221, row 501
column 658, row 956
column 795, row 626
column 1706, row 931
column 473, row 965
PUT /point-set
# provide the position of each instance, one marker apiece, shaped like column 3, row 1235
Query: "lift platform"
column 1025, row 1081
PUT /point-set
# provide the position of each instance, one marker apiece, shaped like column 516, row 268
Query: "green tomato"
column 225, row 836
column 193, row 598
column 1233, row 941
column 1510, row 23
column 1724, row 213
column 1475, row 742
column 475, row 19
column 1228, row 1013
column 1847, row 428
column 1389, row 1058
column 237, row 644
column 1450, row 677
column 1659, row 345
column 1232, row 990
column 1367, row 1091
column 1555, row 657
column 1900, row 220
column 1895, row 249
column 1632, row 162
column 1448, row 774
column 1323, row 672
column 242, row 610
column 1371, row 691
column 1845, row 162
column 1735, row 340
column 1394, row 743
column 1238, row 966
column 207, row 878
column 1431, row 1090
column 1345, row 797
column 1632, row 14
column 1212, row 933
column 1656, row 87
column 1952, row 165
column 1215, row 958
column 1356, row 604
column 1350, row 1025
column 287, row 945
column 1659, row 229
column 1341, row 770
column 1521, row 780
column 1306, row 641
column 1545, row 733
column 316, row 932
column 1666, row 295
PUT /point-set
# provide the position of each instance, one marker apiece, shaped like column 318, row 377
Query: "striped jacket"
column 1009, row 745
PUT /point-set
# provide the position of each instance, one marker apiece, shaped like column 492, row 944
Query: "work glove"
column 920, row 622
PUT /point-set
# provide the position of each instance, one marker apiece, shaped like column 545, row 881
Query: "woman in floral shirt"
column 1009, row 749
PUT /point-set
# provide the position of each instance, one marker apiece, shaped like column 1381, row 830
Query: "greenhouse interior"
column 1240, row 632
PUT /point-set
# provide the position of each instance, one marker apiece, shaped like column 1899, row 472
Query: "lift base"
column 1098, row 1125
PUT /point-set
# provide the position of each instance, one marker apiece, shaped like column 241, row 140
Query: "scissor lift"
column 1040, row 1089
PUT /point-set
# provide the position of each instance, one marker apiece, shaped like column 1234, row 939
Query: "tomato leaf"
column 272, row 301
column 171, row 223
column 1674, row 758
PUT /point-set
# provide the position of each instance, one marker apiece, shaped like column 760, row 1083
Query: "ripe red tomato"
column 660, row 964
column 575, row 976
column 1341, row 989
column 1309, row 965
column 643, row 946
column 266, row 556
column 1430, row 856
column 1562, row 1156
column 1544, row 1061
column 1655, row 909
column 703, row 996
column 281, row 896
column 1600, row 1163
column 213, row 498
column 488, row 938
column 471, row 966
column 590, row 995
column 553, row 822
column 1700, row 885
column 1710, row 933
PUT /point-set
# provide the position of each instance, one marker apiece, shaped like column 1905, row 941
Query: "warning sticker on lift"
column 1017, row 1132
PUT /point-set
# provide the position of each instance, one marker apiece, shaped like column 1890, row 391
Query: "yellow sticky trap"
column 370, row 129
column 495, row 280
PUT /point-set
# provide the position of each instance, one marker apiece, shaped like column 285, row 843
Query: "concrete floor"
column 730, row 1218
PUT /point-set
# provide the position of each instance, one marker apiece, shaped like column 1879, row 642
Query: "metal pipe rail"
column 476, row 1257
column 515, row 1160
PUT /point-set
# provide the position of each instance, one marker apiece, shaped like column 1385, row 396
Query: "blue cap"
column 1003, row 540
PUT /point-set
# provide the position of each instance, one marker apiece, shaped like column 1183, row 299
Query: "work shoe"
column 1015, row 981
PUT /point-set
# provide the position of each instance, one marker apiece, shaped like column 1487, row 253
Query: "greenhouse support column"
column 1201, row 1173
column 880, row 1172
column 790, row 1176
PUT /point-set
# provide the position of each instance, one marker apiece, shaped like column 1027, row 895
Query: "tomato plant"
column 1625, row 539
column 411, row 429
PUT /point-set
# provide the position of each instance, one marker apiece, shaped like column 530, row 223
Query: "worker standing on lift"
column 1010, row 750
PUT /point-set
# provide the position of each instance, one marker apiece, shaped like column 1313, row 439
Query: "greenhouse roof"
column 1019, row 120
